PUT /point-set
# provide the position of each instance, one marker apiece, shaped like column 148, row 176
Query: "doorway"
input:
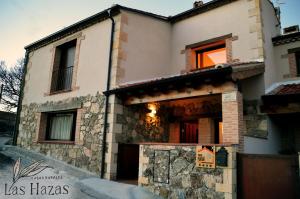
column 128, row 163
column 189, row 132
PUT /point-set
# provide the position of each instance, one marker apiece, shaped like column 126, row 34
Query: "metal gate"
column 267, row 176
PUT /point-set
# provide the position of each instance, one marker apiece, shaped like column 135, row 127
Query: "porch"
column 198, row 109
column 191, row 121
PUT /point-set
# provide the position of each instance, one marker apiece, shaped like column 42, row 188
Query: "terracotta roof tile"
column 288, row 89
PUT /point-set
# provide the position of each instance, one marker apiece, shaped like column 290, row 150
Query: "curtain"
column 61, row 127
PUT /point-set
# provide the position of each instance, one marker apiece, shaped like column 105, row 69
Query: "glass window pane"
column 61, row 127
column 214, row 57
column 198, row 60
column 70, row 56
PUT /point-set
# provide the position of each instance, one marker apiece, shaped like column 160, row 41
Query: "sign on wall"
column 205, row 156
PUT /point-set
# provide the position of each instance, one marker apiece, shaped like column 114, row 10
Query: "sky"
column 24, row 21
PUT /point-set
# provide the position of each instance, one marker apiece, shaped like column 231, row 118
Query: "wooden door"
column 267, row 176
column 189, row 132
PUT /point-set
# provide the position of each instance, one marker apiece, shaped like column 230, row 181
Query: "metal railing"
column 62, row 79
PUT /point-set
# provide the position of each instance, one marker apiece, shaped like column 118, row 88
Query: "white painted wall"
column 92, row 67
column 271, row 145
column 154, row 47
column 147, row 49
column 271, row 29
column 231, row 18
column 253, row 87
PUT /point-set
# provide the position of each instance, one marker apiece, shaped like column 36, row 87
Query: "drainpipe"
column 107, row 95
column 21, row 94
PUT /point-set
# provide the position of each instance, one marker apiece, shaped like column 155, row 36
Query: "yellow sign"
column 205, row 156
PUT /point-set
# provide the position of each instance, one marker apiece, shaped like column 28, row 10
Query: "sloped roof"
column 283, row 93
column 230, row 72
column 285, row 39
column 288, row 89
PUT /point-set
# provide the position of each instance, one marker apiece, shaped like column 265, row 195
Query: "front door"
column 128, row 162
column 189, row 132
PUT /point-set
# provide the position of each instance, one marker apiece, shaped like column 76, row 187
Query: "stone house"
column 110, row 95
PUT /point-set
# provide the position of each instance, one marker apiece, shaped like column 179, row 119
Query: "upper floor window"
column 210, row 55
column 294, row 63
column 63, row 67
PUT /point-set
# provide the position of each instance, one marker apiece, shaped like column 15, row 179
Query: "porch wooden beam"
column 174, row 94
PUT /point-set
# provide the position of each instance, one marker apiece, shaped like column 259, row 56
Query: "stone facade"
column 138, row 127
column 170, row 171
column 85, row 152
column 255, row 121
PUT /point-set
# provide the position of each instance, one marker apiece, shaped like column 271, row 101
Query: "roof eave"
column 285, row 39
column 87, row 22
column 204, row 8
column 223, row 74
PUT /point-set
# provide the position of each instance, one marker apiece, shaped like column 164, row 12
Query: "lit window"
column 210, row 55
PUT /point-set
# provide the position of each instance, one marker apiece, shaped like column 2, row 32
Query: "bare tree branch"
column 11, row 79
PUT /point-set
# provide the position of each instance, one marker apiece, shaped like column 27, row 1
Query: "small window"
column 298, row 63
column 61, row 126
column 210, row 55
column 63, row 67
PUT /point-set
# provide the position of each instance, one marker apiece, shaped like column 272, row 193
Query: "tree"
column 11, row 79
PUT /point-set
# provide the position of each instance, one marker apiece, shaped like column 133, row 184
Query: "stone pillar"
column 229, row 184
column 114, row 128
column 232, row 115
column 206, row 131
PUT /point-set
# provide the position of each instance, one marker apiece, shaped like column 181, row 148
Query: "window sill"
column 202, row 68
column 56, row 142
column 61, row 91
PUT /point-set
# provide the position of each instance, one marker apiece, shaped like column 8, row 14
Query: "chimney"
column 291, row 29
column 198, row 4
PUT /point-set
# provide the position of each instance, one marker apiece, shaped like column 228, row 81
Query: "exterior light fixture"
column 153, row 109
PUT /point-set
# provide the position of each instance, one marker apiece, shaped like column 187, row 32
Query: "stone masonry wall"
column 170, row 171
column 136, row 127
column 255, row 121
column 86, row 151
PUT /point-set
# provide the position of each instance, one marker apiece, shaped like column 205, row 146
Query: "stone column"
column 232, row 114
column 206, row 130
column 112, row 146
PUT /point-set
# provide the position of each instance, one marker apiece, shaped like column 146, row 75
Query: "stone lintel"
column 50, row 107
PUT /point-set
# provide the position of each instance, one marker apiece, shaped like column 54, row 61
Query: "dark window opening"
column 297, row 54
column 63, row 67
column 61, row 126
